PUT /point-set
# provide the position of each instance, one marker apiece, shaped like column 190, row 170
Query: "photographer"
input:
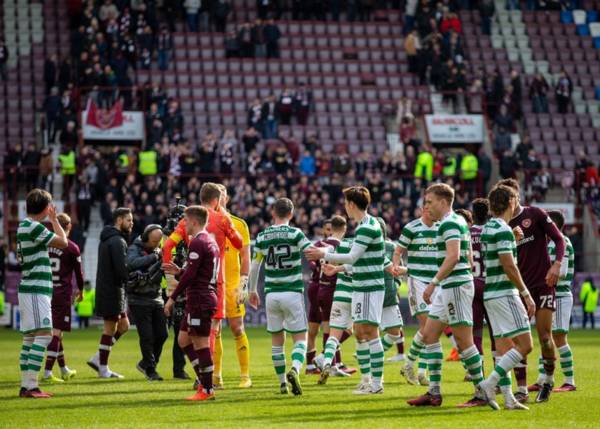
column 145, row 298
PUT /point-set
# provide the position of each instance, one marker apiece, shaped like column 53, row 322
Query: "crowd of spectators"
column 254, row 40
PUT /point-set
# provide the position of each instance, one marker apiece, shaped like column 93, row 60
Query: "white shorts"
column 36, row 312
column 341, row 315
column 562, row 315
column 391, row 318
column 508, row 316
column 415, row 297
column 367, row 307
column 454, row 306
column 285, row 311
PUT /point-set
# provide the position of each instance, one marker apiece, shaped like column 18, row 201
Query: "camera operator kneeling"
column 145, row 298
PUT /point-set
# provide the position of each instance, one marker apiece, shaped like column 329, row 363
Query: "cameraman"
column 145, row 298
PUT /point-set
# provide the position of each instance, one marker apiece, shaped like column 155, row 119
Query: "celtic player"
column 281, row 246
column 503, row 284
column 452, row 305
column 367, row 259
column 562, row 316
column 417, row 240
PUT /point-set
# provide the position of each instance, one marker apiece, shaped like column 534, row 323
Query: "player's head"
column 558, row 218
column 502, row 198
column 37, row 202
column 123, row 219
column 224, row 198
column 196, row 218
column 511, row 183
column 327, row 228
column 357, row 200
column 338, row 225
column 466, row 215
column 383, row 226
column 65, row 222
column 481, row 211
column 283, row 209
column 210, row 194
column 438, row 200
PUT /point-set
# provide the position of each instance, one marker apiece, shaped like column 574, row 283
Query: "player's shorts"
column 36, row 312
column 314, row 314
column 232, row 308
column 341, row 315
column 479, row 313
column 562, row 315
column 544, row 297
column 220, row 311
column 325, row 301
column 197, row 322
column 61, row 317
column 367, row 307
column 508, row 316
column 122, row 315
column 391, row 317
column 415, row 297
column 454, row 306
column 286, row 312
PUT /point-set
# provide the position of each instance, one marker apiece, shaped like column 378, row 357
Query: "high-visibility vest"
column 424, row 166
column 123, row 160
column 2, row 301
column 148, row 165
column 67, row 163
column 588, row 297
column 449, row 169
column 85, row 308
column 469, row 165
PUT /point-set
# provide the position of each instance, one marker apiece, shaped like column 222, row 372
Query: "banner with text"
column 112, row 124
column 455, row 128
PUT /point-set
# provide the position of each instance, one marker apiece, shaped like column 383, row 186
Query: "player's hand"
column 79, row 296
column 530, row 306
column 331, row 270
column 242, row 291
column 254, row 300
column 169, row 307
column 314, row 253
column 553, row 275
column 428, row 292
column 52, row 213
column 170, row 268
column 171, row 283
column 518, row 232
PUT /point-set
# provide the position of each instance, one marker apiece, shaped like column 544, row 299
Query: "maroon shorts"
column 197, row 322
column 325, row 302
column 116, row 318
column 543, row 296
column 478, row 307
column 314, row 313
column 61, row 317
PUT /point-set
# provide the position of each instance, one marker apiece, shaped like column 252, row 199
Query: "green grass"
column 88, row 402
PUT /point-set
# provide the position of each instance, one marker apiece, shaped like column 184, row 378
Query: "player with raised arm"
column 453, row 303
column 540, row 276
column 35, row 287
column 280, row 246
column 65, row 263
column 237, row 268
column 417, row 241
column 503, row 284
column 199, row 283
column 367, row 260
column 562, row 316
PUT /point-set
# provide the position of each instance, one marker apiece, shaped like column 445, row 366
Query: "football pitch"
column 88, row 402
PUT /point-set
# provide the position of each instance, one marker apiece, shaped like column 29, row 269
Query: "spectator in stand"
column 258, row 39
column 307, row 165
column 272, row 36
column 50, row 72
column 522, row 149
column 52, row 107
column 540, row 184
column 221, row 9
column 192, row 8
column 108, row 11
column 164, row 46
column 30, row 165
column 286, row 107
column 250, row 139
column 450, row 23
column 226, row 155
column 3, row 60
column 504, row 119
column 244, row 36
column 531, row 166
column 84, row 202
column 487, row 9
column 563, row 91
column 302, row 103
column 232, row 45
column 269, row 117
column 485, row 168
column 508, row 165
column 255, row 115
column 538, row 90
column 517, row 93
column 46, row 169
column 412, row 46
column 502, row 141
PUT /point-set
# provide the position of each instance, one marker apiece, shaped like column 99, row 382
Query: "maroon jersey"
column 199, row 277
column 326, row 282
column 532, row 250
column 65, row 263
column 478, row 256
